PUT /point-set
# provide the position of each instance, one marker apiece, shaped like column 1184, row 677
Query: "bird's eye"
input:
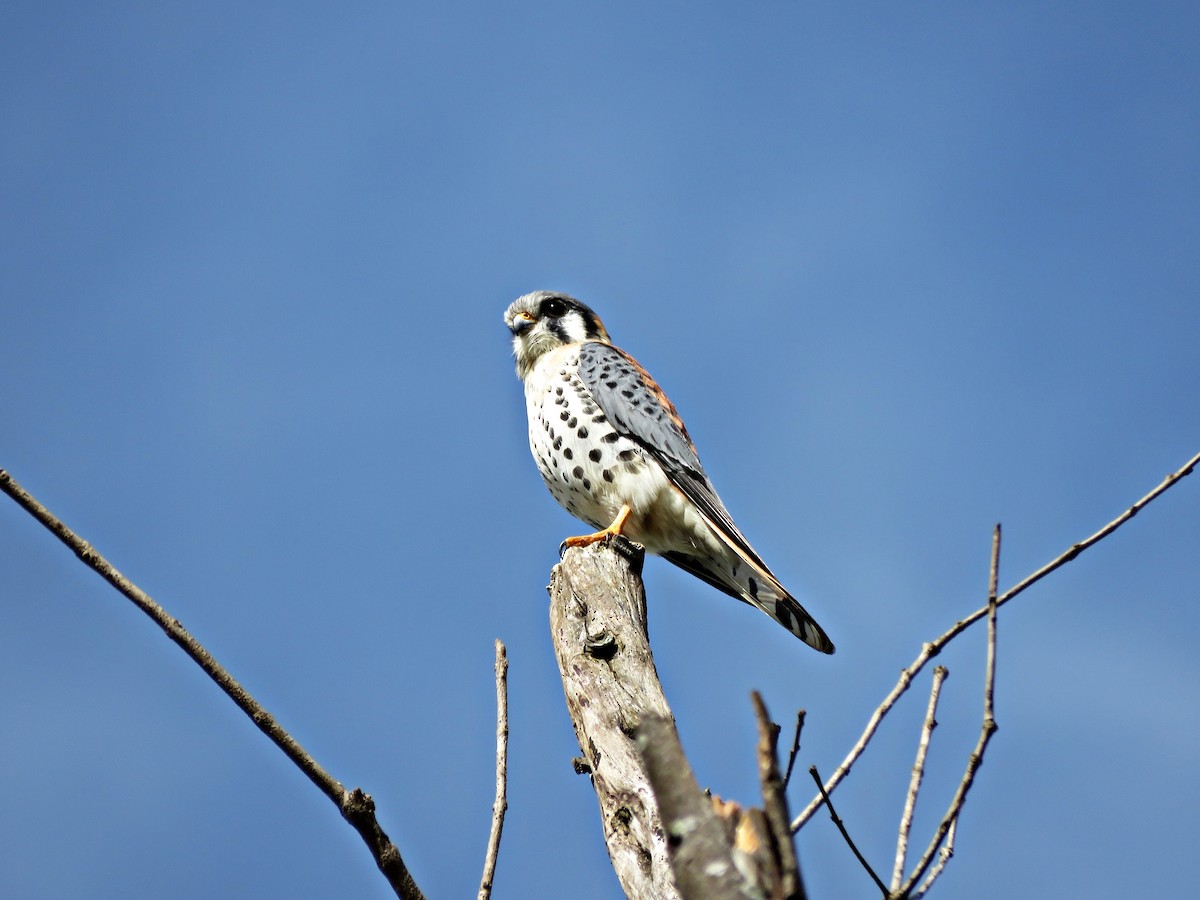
column 554, row 307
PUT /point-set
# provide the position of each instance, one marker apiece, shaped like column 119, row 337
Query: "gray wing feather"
column 618, row 385
column 627, row 395
column 638, row 410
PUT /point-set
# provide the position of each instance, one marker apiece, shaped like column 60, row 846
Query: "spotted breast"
column 590, row 469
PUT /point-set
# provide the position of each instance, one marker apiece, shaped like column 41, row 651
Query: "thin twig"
column 500, row 806
column 355, row 806
column 944, row 856
column 988, row 728
column 934, row 647
column 940, row 674
column 787, row 775
column 812, row 770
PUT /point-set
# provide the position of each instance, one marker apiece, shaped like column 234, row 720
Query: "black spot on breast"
column 560, row 401
column 594, row 455
column 569, row 453
column 599, row 419
column 627, row 394
column 571, row 422
column 612, row 385
column 611, row 438
column 626, row 455
column 582, row 432
column 564, row 415
column 587, row 485
column 577, row 471
column 559, row 390
column 557, row 443
column 608, row 475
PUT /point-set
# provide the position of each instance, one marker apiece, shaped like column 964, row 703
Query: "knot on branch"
column 357, row 803
column 601, row 644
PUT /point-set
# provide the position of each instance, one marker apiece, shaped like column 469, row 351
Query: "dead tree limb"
column 699, row 841
column 666, row 837
column 598, row 624
column 356, row 807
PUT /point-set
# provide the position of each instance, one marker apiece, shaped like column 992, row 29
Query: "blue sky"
column 907, row 270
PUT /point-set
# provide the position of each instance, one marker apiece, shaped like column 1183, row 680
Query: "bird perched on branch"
column 614, row 452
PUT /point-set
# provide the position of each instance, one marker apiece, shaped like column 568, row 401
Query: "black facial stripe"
column 591, row 323
column 555, row 327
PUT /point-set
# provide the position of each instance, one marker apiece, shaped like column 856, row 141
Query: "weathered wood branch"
column 699, row 841
column 598, row 623
column 666, row 837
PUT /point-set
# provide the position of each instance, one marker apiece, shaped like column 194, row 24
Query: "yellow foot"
column 612, row 530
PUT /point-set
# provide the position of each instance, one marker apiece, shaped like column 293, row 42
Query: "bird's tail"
column 751, row 582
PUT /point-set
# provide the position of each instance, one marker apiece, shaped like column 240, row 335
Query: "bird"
column 614, row 452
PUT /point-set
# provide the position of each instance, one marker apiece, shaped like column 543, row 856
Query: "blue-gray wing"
column 638, row 409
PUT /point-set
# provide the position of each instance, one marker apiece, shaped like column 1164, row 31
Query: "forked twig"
column 355, row 806
column 940, row 673
column 987, row 729
column 935, row 646
column 500, row 805
column 944, row 855
column 812, row 770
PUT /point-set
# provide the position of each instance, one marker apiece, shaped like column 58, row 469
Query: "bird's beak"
column 522, row 323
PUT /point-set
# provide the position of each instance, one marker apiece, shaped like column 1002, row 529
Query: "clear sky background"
column 906, row 269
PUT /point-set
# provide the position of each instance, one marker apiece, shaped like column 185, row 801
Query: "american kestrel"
column 614, row 452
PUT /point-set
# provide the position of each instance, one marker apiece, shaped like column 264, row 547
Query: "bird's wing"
column 638, row 409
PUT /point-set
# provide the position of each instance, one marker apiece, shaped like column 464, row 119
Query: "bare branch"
column 500, row 805
column 940, row 673
column 812, row 770
column 787, row 775
column 994, row 571
column 355, row 806
column 975, row 760
column 931, row 649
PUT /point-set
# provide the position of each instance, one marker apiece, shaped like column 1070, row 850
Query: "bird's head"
column 545, row 320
